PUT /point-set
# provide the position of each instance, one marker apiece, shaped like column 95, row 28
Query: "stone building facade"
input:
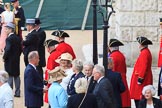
column 135, row 18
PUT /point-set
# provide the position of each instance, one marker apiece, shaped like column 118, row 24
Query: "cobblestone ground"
column 79, row 40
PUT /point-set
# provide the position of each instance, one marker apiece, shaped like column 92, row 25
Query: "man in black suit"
column 33, row 83
column 31, row 41
column 88, row 69
column 41, row 48
column 11, row 58
column 103, row 89
column 117, row 83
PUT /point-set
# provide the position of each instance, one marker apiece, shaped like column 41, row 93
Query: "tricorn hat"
column 115, row 43
column 56, row 74
column 64, row 56
column 50, row 42
column 160, row 21
column 143, row 41
column 60, row 33
column 10, row 25
column 13, row 1
column 37, row 21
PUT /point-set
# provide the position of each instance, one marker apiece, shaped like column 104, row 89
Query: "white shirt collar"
column 38, row 29
column 99, row 79
column 31, row 30
column 33, row 66
column 10, row 34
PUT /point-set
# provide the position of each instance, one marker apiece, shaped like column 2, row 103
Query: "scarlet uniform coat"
column 142, row 69
column 120, row 66
column 51, row 64
column 160, row 53
column 65, row 48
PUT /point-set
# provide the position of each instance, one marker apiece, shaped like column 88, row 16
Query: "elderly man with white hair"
column 103, row 89
column 149, row 101
column 6, row 94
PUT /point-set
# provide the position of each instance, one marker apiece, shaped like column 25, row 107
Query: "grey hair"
column 114, row 48
column 100, row 69
column 32, row 55
column 89, row 63
column 149, row 87
column 81, row 85
column 78, row 64
column 3, row 76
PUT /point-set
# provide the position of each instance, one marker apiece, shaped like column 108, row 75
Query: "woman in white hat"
column 65, row 64
column 57, row 96
column 149, row 102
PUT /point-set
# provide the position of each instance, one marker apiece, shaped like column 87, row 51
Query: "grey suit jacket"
column 104, row 94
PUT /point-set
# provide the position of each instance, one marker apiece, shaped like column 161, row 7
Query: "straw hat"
column 56, row 74
column 64, row 56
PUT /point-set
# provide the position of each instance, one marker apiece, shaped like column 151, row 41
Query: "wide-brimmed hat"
column 64, row 56
column 115, row 43
column 56, row 74
column 143, row 41
column 60, row 33
column 10, row 25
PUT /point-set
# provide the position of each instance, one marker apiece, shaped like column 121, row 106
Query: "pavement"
column 81, row 41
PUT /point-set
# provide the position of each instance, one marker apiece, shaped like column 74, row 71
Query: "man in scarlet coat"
column 120, row 66
column 160, row 62
column 51, row 64
column 63, row 47
column 142, row 74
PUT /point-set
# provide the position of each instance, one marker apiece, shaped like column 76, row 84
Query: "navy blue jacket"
column 89, row 101
column 104, row 94
column 91, row 86
column 70, row 87
column 33, row 87
column 118, row 85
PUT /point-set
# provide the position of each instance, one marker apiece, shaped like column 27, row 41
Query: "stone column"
column 135, row 18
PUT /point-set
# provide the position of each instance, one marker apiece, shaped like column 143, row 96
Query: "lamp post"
column 95, row 53
column 106, row 10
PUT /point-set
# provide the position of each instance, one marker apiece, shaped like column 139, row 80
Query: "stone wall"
column 135, row 18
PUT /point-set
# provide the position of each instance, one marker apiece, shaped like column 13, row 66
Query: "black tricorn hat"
column 160, row 21
column 143, row 41
column 37, row 21
column 13, row 1
column 50, row 42
column 60, row 33
column 115, row 43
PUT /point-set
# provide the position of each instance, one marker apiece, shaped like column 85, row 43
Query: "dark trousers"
column 136, row 103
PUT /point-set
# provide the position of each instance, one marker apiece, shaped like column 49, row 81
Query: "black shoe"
column 16, row 95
